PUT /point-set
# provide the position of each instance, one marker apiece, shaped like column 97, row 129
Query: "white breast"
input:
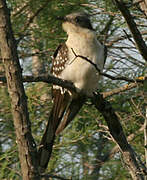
column 83, row 74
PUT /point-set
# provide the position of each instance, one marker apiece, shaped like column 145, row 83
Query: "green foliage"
column 82, row 150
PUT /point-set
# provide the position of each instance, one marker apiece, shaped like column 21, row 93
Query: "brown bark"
column 26, row 145
column 143, row 5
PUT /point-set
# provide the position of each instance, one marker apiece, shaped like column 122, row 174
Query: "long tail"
column 44, row 153
column 63, row 108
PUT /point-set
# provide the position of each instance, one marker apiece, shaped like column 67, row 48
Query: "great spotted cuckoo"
column 69, row 64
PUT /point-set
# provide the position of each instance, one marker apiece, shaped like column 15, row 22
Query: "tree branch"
column 58, row 81
column 116, row 149
column 47, row 176
column 118, row 90
column 123, row 37
column 70, row 86
column 133, row 28
column 137, row 170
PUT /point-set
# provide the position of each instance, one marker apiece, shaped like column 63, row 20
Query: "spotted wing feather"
column 60, row 102
column 59, row 60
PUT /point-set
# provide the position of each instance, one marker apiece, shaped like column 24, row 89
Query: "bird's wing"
column 61, row 98
column 60, row 95
column 63, row 103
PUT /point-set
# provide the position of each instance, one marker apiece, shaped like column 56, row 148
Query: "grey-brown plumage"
column 82, row 41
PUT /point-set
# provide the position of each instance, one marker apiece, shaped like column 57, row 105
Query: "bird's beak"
column 60, row 18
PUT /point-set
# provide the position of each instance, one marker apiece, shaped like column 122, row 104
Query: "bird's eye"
column 77, row 19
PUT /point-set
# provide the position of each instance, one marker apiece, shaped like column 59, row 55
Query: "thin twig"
column 104, row 74
column 53, row 176
column 133, row 28
column 128, row 37
column 119, row 90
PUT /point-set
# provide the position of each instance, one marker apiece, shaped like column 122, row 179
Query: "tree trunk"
column 26, row 145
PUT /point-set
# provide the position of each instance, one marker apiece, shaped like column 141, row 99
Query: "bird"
column 79, row 60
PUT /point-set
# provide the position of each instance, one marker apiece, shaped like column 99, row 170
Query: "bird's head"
column 76, row 22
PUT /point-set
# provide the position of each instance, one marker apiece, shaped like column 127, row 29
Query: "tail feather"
column 47, row 141
column 71, row 112
column 63, row 108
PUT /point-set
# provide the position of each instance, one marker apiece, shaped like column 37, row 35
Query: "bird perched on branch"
column 79, row 60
